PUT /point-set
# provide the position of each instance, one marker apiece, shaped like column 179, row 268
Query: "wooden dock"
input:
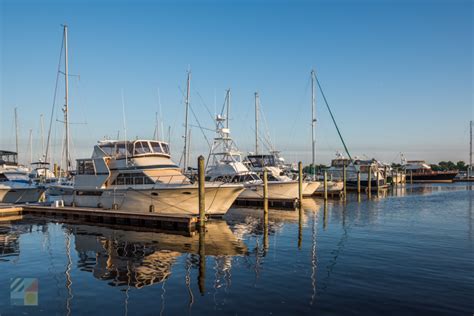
column 168, row 222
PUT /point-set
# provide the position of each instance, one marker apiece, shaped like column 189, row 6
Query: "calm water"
column 408, row 253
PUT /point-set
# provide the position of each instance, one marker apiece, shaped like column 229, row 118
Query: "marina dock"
column 175, row 222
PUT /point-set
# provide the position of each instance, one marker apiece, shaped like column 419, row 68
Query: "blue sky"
column 397, row 74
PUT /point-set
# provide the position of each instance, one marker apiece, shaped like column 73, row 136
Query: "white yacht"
column 277, row 170
column 139, row 176
column 352, row 167
column 15, row 185
column 225, row 165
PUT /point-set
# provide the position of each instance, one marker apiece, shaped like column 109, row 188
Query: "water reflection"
column 9, row 237
column 139, row 259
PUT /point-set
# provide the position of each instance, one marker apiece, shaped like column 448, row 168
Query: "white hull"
column 333, row 187
column 179, row 199
column 20, row 195
column 276, row 190
column 311, row 188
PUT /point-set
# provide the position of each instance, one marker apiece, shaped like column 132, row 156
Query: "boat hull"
column 440, row 176
column 183, row 199
column 20, row 195
column 311, row 188
column 276, row 190
column 333, row 187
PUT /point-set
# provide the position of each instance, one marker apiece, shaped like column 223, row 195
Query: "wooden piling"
column 344, row 181
column 265, row 192
column 378, row 179
column 358, row 181
column 369, row 180
column 202, row 192
column 202, row 260
column 325, row 185
column 300, row 181
column 411, row 176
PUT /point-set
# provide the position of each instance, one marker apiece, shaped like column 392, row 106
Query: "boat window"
column 132, row 178
column 141, row 148
column 166, row 148
column 156, row 147
column 85, row 167
column 121, row 151
column 261, row 161
column 109, row 149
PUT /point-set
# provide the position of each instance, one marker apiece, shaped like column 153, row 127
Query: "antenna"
column 256, row 123
column 16, row 131
column 228, row 109
column 185, row 151
column 161, row 114
column 124, row 129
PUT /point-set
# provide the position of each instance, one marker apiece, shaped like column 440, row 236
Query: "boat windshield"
column 142, row 147
column 156, row 147
column 122, row 151
column 261, row 161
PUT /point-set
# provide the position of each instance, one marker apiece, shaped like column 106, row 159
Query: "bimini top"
column 130, row 149
column 8, row 157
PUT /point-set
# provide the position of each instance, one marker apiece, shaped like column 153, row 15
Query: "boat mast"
column 66, row 103
column 185, row 151
column 16, row 131
column 470, row 150
column 42, row 135
column 256, row 122
column 313, row 122
column 30, row 141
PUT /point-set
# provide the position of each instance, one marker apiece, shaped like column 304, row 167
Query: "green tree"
column 461, row 166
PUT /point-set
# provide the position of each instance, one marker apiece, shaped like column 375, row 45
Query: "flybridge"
column 122, row 149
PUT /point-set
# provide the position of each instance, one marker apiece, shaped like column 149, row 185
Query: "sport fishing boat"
column 15, row 185
column 225, row 165
column 139, row 176
column 420, row 171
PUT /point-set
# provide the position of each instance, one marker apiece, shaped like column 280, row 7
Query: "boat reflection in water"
column 9, row 238
column 139, row 259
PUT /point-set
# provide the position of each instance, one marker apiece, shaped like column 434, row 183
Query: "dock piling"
column 358, row 181
column 300, row 182
column 325, row 185
column 344, row 179
column 369, row 180
column 265, row 196
column 202, row 193
column 411, row 176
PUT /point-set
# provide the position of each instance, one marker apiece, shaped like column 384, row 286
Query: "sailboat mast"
column 470, row 149
column 313, row 122
column 30, row 141
column 16, row 131
column 66, row 103
column 256, row 123
column 42, row 136
column 185, row 151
